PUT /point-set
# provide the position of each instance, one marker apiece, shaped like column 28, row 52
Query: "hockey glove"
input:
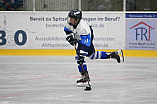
column 71, row 40
column 80, row 59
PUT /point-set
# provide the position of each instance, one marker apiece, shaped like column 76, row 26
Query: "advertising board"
column 36, row 30
column 141, row 31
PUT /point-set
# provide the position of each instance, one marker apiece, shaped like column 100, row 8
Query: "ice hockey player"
column 80, row 34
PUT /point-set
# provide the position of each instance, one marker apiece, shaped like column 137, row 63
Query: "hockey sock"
column 99, row 55
column 80, row 67
column 84, row 67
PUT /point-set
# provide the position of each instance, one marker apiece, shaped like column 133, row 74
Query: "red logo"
column 142, row 31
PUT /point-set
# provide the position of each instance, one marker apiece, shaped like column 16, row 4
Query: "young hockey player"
column 80, row 35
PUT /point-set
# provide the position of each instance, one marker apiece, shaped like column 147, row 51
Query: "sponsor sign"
column 141, row 31
column 32, row 30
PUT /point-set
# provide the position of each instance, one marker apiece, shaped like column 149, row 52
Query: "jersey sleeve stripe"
column 67, row 31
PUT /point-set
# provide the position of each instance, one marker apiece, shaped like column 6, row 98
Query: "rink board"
column 131, row 53
column 42, row 33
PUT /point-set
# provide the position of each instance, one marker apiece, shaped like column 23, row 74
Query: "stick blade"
column 88, row 89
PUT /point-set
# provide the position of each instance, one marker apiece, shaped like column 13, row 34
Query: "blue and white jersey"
column 84, row 34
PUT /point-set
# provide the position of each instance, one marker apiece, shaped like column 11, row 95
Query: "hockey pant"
column 96, row 55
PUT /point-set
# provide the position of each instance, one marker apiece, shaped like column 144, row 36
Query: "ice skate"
column 118, row 55
column 83, row 82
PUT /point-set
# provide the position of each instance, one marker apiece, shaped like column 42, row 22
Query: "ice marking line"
column 38, row 95
column 38, row 63
column 71, row 74
column 80, row 76
column 12, row 86
column 128, row 77
column 42, row 77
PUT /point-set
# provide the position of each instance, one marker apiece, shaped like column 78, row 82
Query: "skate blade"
column 83, row 84
column 120, row 53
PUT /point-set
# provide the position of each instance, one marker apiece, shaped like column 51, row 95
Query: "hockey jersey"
column 83, row 33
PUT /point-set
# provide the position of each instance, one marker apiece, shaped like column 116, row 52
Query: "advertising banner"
column 141, row 31
column 36, row 30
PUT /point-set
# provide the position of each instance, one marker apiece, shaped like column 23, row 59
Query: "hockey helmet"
column 75, row 13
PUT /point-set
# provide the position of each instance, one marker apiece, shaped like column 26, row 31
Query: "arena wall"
column 41, row 33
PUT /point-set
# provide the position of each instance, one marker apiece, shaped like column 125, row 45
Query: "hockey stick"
column 87, row 88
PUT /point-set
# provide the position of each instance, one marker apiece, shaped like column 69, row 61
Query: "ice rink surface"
column 52, row 80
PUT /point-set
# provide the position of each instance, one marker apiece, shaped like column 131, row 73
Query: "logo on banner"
column 142, row 32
